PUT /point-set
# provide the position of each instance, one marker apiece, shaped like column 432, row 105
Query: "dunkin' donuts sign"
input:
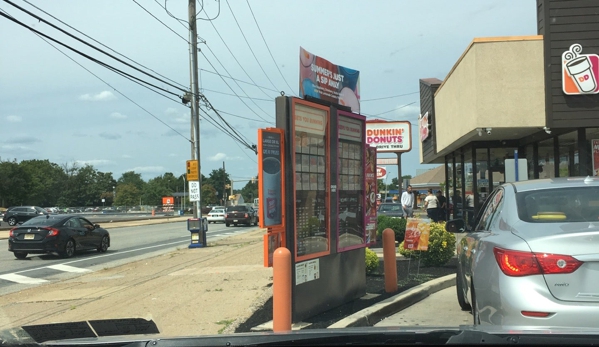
column 389, row 136
column 580, row 71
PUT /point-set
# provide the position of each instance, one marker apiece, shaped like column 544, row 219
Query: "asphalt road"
column 127, row 244
column 100, row 217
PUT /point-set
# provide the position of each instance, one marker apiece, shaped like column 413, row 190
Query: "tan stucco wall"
column 496, row 84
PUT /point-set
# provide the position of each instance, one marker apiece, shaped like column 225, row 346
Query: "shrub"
column 372, row 261
column 441, row 247
column 397, row 224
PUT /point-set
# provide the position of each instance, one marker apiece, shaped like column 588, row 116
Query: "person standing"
column 407, row 202
column 430, row 204
column 441, row 210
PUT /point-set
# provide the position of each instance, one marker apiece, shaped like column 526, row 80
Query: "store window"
column 546, row 162
column 469, row 175
column 592, row 143
column 568, row 154
column 529, row 155
column 482, row 175
column 457, row 198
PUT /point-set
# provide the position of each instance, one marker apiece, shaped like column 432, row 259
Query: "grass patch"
column 226, row 323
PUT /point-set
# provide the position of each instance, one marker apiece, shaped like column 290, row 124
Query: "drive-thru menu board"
column 350, row 161
column 310, row 124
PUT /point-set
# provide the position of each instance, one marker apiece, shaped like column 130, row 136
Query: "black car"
column 390, row 210
column 240, row 215
column 20, row 214
column 62, row 234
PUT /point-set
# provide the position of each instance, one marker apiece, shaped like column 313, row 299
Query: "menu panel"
column 311, row 207
column 351, row 183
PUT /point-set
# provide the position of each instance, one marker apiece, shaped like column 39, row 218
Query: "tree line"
column 43, row 183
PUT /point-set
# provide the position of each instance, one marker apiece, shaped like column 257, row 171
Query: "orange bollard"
column 390, row 260
column 281, row 287
column 153, row 213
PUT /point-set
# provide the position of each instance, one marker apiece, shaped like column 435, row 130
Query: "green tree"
column 153, row 191
column 208, row 195
column 14, row 183
column 218, row 179
column 106, row 186
column 70, row 190
column 380, row 186
column 45, row 180
column 131, row 177
column 127, row 194
column 250, row 191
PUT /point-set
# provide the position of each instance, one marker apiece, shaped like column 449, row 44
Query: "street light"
column 113, row 194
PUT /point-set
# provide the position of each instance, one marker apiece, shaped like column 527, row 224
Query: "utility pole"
column 224, row 185
column 195, row 105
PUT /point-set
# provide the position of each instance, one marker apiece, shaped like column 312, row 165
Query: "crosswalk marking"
column 22, row 279
column 67, row 268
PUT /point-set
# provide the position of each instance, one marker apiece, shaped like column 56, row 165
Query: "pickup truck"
column 241, row 215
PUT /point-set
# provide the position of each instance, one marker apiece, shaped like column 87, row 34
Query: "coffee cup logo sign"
column 423, row 126
column 580, row 71
column 381, row 173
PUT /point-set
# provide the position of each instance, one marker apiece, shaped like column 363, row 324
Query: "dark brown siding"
column 565, row 23
column 428, row 87
column 540, row 17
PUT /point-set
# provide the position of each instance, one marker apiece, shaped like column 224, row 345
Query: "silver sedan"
column 531, row 256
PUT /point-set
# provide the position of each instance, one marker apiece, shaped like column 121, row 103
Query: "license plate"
column 235, row 220
column 29, row 236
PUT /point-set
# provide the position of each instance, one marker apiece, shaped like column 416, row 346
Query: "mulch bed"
column 409, row 275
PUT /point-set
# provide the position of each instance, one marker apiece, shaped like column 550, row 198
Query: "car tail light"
column 52, row 232
column 517, row 263
column 246, row 215
column 11, row 232
column 536, row 314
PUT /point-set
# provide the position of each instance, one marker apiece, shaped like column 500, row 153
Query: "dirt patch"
column 409, row 274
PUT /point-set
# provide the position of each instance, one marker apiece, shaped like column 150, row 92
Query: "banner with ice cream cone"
column 417, row 234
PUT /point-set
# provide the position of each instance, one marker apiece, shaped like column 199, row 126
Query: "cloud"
column 218, row 157
column 173, row 155
column 94, row 162
column 23, row 139
column 101, row 96
column 14, row 119
column 109, row 136
column 144, row 169
column 127, row 156
column 410, row 112
column 117, row 115
column 16, row 149
column 171, row 110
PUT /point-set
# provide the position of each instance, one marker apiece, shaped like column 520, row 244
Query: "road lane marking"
column 22, row 279
column 67, row 268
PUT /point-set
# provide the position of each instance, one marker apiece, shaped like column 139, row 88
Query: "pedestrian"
column 430, row 204
column 442, row 209
column 407, row 202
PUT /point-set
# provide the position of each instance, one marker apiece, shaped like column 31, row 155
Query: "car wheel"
column 20, row 255
column 460, row 292
column 256, row 222
column 12, row 221
column 69, row 249
column 103, row 245
column 475, row 315
column 227, row 224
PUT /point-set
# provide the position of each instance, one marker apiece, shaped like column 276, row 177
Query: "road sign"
column 381, row 172
column 194, row 191
column 386, row 161
column 192, row 170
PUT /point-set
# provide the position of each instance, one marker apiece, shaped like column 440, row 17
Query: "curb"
column 377, row 312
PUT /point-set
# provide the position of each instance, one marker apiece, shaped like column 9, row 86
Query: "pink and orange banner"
column 417, row 234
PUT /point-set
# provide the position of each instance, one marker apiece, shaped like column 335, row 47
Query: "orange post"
column 390, row 260
column 281, row 287
column 153, row 213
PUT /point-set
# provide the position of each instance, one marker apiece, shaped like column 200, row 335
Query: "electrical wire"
column 161, row 22
column 181, row 21
column 5, row 14
column 269, row 51
column 89, row 45
column 238, row 80
column 223, row 93
column 395, row 109
column 202, row 9
column 234, row 115
column 100, row 43
column 249, row 46
column 209, row 106
column 389, row 97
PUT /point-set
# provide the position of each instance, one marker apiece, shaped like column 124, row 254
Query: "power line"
column 161, row 22
column 4, row 14
column 181, row 21
column 209, row 106
column 249, row 46
column 389, row 97
column 223, row 93
column 263, row 39
column 100, row 43
column 234, row 115
column 202, row 9
column 238, row 80
column 85, row 55
column 395, row 109
column 90, row 45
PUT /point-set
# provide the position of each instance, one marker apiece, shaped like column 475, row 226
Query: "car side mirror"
column 96, row 226
column 455, row 226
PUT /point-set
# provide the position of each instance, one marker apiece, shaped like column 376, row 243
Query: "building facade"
column 507, row 98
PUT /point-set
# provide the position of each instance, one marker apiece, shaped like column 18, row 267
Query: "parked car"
column 241, row 215
column 390, row 210
column 531, row 255
column 216, row 215
column 62, row 234
column 20, row 214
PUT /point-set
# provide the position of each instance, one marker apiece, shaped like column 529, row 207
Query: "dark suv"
column 20, row 214
column 240, row 215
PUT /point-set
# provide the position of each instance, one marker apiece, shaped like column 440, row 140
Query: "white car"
column 216, row 215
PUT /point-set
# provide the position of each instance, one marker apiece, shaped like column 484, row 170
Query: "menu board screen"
column 310, row 123
column 351, row 183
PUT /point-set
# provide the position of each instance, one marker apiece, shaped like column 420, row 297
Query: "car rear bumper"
column 530, row 293
column 216, row 219
column 242, row 220
column 44, row 246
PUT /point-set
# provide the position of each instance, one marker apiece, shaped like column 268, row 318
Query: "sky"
column 52, row 108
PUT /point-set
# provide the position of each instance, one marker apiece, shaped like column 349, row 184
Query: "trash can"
column 180, row 212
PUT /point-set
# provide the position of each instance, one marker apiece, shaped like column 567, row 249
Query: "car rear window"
column 217, row 211
column 238, row 208
column 559, row 205
column 390, row 207
column 42, row 220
